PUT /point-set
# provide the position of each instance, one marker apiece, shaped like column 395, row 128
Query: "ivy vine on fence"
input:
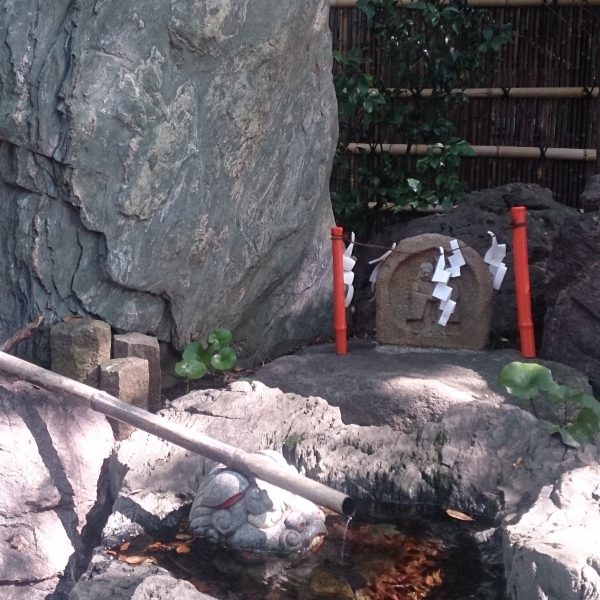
column 435, row 45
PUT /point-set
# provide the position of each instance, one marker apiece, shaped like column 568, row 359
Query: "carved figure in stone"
column 250, row 515
column 423, row 306
column 407, row 312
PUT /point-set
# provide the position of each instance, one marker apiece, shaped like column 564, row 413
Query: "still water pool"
column 413, row 559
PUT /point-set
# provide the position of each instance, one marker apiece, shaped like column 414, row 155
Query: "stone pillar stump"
column 78, row 347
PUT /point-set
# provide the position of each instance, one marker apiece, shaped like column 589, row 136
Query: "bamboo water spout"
column 208, row 447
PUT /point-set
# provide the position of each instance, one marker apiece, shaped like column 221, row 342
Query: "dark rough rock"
column 572, row 324
column 159, row 159
column 404, row 388
column 112, row 580
column 590, row 197
column 461, row 454
column 50, row 467
column 552, row 550
column 470, row 221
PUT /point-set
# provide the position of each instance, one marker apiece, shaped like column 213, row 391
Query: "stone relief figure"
column 423, row 306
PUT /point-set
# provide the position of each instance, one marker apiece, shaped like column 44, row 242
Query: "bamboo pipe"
column 584, row 154
column 208, row 447
column 484, row 3
column 513, row 92
column 339, row 308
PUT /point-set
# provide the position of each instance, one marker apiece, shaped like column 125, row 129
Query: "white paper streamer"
column 456, row 259
column 442, row 290
column 349, row 261
column 494, row 258
column 441, row 275
column 447, row 310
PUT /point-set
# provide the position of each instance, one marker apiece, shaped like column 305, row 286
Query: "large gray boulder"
column 159, row 159
column 51, row 458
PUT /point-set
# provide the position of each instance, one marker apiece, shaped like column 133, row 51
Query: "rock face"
column 478, row 213
column 50, row 465
column 159, row 159
column 110, row 580
column 552, row 551
column 572, row 324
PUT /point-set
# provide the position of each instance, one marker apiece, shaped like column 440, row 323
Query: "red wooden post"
column 339, row 308
column 522, row 285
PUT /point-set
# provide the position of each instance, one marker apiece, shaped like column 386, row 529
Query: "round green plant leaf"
column 220, row 338
column 526, row 380
column 190, row 352
column 191, row 369
column 591, row 403
column 224, row 359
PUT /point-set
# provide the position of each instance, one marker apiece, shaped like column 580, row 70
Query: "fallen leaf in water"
column 434, row 579
column 455, row 514
column 124, row 547
column 184, row 537
column 132, row 560
column 183, row 549
column 157, row 547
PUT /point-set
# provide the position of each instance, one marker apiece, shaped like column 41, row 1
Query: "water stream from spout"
column 344, row 539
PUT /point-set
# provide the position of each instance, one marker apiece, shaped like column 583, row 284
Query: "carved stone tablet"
column 408, row 314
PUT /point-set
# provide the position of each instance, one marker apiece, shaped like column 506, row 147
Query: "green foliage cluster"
column 533, row 382
column 435, row 44
column 198, row 358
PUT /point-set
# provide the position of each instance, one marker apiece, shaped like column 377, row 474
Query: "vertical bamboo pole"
column 522, row 285
column 339, row 308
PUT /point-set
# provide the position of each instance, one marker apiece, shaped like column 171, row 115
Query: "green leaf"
column 526, row 380
column 224, row 359
column 565, row 436
column 220, row 337
column 190, row 369
column 191, row 351
column 590, row 403
column 582, row 431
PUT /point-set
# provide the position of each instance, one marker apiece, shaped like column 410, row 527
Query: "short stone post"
column 143, row 346
column 78, row 347
column 128, row 380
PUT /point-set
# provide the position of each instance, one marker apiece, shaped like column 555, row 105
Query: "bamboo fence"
column 532, row 117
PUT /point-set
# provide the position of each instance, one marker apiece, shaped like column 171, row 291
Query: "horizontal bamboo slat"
column 525, row 152
column 486, row 3
column 516, row 92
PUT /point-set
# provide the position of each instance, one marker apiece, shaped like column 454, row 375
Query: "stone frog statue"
column 252, row 516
